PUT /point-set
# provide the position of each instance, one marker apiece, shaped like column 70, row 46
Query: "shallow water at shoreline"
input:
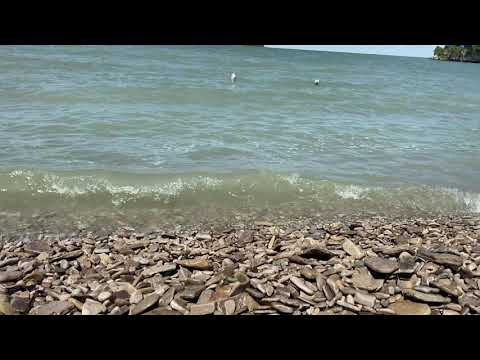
column 154, row 132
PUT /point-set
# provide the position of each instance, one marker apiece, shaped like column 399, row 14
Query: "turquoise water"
column 162, row 128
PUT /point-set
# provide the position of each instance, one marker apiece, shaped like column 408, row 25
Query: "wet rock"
column 406, row 307
column 381, row 265
column 423, row 297
column 198, row 264
column 53, row 308
column 92, row 307
column 148, row 302
column 353, row 250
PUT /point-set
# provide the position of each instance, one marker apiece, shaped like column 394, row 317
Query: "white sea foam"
column 350, row 192
column 470, row 200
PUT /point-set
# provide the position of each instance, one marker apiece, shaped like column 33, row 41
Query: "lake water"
column 161, row 130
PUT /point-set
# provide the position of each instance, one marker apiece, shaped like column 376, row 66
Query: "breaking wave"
column 24, row 188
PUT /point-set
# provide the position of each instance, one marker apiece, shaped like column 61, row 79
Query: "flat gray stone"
column 469, row 300
column 299, row 283
column 148, row 302
column 406, row 263
column 6, row 308
column 92, row 307
column 202, row 309
column 191, row 292
column 167, row 297
column 364, row 299
column 198, row 264
column 104, row 295
column 353, row 250
column 162, row 311
column 447, row 286
column 53, row 308
column 406, row 307
column 423, row 297
column 136, row 297
column 201, row 236
column 229, row 307
column 362, row 279
column 7, row 276
column 282, row 308
column 381, row 265
column 318, row 253
column 159, row 269
column 449, row 260
column 308, row 273
column 37, row 247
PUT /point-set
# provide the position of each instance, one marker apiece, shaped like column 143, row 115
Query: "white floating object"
column 233, row 77
column 317, row 82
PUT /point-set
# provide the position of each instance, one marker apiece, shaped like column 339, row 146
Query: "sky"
column 396, row 50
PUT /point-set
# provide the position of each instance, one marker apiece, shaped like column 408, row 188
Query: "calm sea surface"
column 130, row 130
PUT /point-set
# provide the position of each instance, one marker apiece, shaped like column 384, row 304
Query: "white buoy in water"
column 233, row 77
column 317, row 82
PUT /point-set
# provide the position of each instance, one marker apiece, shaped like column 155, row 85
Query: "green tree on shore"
column 469, row 53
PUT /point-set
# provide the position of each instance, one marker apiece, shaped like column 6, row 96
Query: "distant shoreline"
column 472, row 61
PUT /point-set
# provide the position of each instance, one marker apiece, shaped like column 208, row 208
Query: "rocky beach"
column 140, row 180
column 363, row 266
